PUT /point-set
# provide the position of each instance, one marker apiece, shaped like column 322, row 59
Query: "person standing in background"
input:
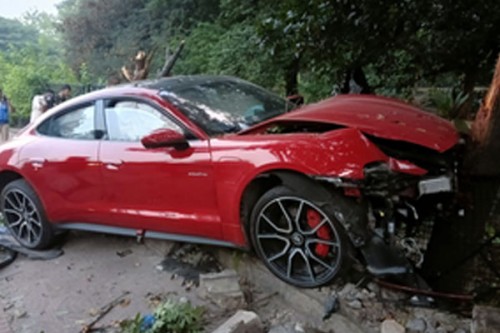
column 41, row 103
column 64, row 94
column 5, row 110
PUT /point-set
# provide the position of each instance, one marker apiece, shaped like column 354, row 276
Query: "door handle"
column 37, row 162
column 113, row 164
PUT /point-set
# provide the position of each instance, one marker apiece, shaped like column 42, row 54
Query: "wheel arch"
column 8, row 176
column 265, row 181
column 354, row 218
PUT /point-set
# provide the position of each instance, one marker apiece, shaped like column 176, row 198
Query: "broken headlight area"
column 400, row 203
column 402, row 209
column 434, row 162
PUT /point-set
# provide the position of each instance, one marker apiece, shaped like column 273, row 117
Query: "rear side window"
column 77, row 124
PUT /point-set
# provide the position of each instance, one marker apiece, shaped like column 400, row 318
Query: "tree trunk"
column 453, row 241
column 355, row 82
column 291, row 77
column 468, row 89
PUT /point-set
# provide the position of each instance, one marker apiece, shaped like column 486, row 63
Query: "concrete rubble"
column 245, row 292
column 391, row 326
column 485, row 319
column 242, row 322
column 223, row 289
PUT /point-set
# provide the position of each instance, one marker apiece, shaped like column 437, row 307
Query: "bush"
column 169, row 317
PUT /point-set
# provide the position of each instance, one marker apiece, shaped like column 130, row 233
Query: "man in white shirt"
column 41, row 103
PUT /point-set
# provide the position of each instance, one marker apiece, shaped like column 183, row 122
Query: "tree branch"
column 170, row 60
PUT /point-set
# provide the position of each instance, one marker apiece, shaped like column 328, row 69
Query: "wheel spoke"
column 20, row 231
column 321, row 262
column 29, row 234
column 16, row 223
column 20, row 203
column 30, row 209
column 316, row 228
column 322, row 241
column 35, row 234
column 23, row 201
column 308, row 265
column 35, row 222
column 297, row 217
column 9, row 200
column 274, row 226
column 272, row 236
column 281, row 253
column 12, row 211
column 290, row 263
column 286, row 214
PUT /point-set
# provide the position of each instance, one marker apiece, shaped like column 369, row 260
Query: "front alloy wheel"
column 297, row 240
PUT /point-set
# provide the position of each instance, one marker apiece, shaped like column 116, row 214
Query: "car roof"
column 146, row 87
column 179, row 81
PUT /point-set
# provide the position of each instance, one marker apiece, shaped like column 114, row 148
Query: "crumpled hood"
column 381, row 117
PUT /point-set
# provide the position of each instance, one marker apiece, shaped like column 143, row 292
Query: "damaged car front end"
column 405, row 196
column 408, row 182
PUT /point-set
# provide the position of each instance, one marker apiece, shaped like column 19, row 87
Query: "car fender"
column 341, row 153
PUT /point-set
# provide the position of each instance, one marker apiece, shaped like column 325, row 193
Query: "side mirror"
column 165, row 137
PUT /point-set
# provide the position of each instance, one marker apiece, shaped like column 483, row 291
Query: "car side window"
column 76, row 124
column 131, row 121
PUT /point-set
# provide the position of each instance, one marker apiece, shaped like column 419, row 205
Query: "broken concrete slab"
column 222, row 288
column 307, row 301
column 242, row 322
column 485, row 319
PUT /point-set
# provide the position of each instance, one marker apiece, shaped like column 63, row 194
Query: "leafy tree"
column 103, row 34
column 14, row 34
column 32, row 63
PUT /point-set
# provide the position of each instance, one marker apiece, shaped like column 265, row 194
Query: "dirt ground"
column 62, row 294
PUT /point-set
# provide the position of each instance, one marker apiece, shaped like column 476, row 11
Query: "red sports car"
column 220, row 161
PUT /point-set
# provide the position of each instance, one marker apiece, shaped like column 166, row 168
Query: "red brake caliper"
column 313, row 220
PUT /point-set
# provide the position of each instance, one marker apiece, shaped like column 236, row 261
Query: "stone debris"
column 348, row 291
column 355, row 304
column 223, row 289
column 281, row 329
column 416, row 325
column 391, row 326
column 242, row 322
column 485, row 319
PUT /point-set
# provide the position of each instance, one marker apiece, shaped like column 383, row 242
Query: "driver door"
column 160, row 189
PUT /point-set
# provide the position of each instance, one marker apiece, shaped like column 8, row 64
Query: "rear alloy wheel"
column 299, row 240
column 24, row 216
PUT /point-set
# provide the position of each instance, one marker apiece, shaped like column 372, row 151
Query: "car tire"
column 298, row 237
column 25, row 217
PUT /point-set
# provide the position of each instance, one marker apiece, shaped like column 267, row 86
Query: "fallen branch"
column 102, row 312
column 170, row 60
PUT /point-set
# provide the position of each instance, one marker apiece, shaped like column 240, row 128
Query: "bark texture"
column 446, row 264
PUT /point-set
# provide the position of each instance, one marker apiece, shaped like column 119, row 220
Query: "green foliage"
column 177, row 318
column 32, row 64
column 15, row 34
column 272, row 42
column 171, row 317
column 447, row 102
column 28, row 72
column 133, row 325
